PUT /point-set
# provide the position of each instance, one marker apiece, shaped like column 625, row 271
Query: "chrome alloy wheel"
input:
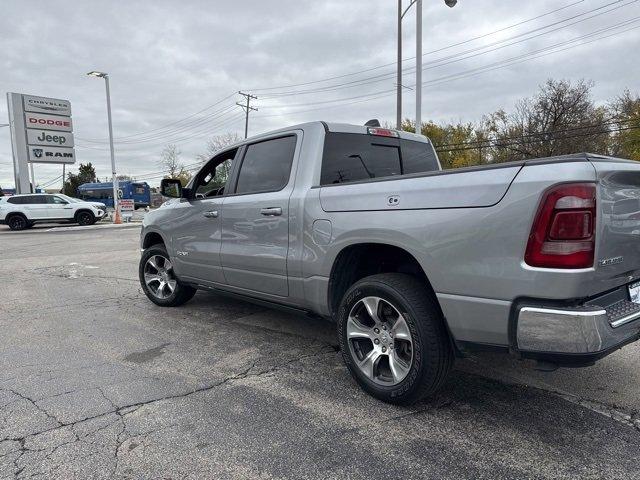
column 380, row 341
column 159, row 277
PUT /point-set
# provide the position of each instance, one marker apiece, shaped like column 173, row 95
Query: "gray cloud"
column 169, row 59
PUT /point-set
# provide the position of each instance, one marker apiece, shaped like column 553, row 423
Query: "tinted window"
column 350, row 157
column 418, row 157
column 25, row 200
column 266, row 165
column 56, row 200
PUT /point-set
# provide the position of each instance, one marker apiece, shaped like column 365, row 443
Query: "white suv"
column 23, row 211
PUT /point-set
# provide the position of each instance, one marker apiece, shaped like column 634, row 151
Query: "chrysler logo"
column 48, row 105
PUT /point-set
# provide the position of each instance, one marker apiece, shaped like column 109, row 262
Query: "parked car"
column 23, row 211
column 415, row 264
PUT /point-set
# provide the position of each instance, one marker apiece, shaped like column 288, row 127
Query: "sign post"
column 127, row 206
column 41, row 132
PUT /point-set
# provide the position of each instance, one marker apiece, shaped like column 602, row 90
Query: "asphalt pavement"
column 97, row 382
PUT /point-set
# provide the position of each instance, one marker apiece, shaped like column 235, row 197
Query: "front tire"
column 85, row 218
column 158, row 279
column 393, row 338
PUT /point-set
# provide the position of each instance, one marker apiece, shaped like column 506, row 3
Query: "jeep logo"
column 45, row 137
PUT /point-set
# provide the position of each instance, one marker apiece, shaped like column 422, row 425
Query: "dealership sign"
column 47, row 137
column 48, row 122
column 46, row 105
column 41, row 132
column 42, row 154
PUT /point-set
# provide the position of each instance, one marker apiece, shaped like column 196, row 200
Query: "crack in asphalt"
column 625, row 416
column 123, row 411
column 32, row 402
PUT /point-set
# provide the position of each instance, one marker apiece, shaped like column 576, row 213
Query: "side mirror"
column 171, row 187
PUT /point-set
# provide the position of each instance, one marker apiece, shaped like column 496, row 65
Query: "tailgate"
column 618, row 236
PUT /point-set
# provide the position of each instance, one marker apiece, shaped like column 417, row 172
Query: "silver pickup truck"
column 416, row 265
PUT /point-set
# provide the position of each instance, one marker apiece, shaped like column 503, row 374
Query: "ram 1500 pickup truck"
column 416, row 265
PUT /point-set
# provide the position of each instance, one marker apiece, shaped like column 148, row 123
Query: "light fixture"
column 97, row 74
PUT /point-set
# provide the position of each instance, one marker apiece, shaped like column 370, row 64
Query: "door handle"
column 271, row 212
column 211, row 214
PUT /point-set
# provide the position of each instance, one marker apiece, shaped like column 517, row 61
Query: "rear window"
column 349, row 157
column 27, row 199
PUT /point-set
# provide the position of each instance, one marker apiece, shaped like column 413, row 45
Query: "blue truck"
column 139, row 192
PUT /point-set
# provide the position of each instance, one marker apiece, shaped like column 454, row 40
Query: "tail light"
column 563, row 232
column 383, row 132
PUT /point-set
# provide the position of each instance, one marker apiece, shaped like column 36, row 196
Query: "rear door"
column 255, row 217
column 36, row 207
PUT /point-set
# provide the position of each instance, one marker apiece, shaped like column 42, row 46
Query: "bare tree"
column 170, row 161
column 560, row 119
column 217, row 143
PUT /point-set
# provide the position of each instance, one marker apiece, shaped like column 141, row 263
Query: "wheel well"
column 358, row 261
column 84, row 210
column 152, row 238
column 18, row 214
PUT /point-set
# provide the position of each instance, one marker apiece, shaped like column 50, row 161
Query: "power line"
column 198, row 123
column 510, row 141
column 470, row 53
column 171, row 123
column 460, row 75
column 479, row 37
column 205, row 130
column 247, row 108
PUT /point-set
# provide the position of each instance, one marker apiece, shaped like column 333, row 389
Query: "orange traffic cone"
column 116, row 217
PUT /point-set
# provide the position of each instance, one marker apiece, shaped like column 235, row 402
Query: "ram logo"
column 393, row 201
column 37, row 152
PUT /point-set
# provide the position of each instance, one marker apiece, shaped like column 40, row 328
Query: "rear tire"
column 85, row 218
column 158, row 279
column 400, row 352
column 17, row 222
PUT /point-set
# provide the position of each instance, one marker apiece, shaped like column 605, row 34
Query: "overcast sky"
column 168, row 60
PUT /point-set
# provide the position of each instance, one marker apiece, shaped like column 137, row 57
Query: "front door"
column 58, row 207
column 197, row 228
column 255, row 218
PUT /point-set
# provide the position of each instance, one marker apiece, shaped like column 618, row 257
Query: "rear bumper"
column 577, row 335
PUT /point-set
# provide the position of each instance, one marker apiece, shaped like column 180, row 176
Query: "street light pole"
column 401, row 14
column 116, row 203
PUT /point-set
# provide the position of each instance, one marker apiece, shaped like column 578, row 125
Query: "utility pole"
column 399, row 80
column 419, row 67
column 247, row 108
